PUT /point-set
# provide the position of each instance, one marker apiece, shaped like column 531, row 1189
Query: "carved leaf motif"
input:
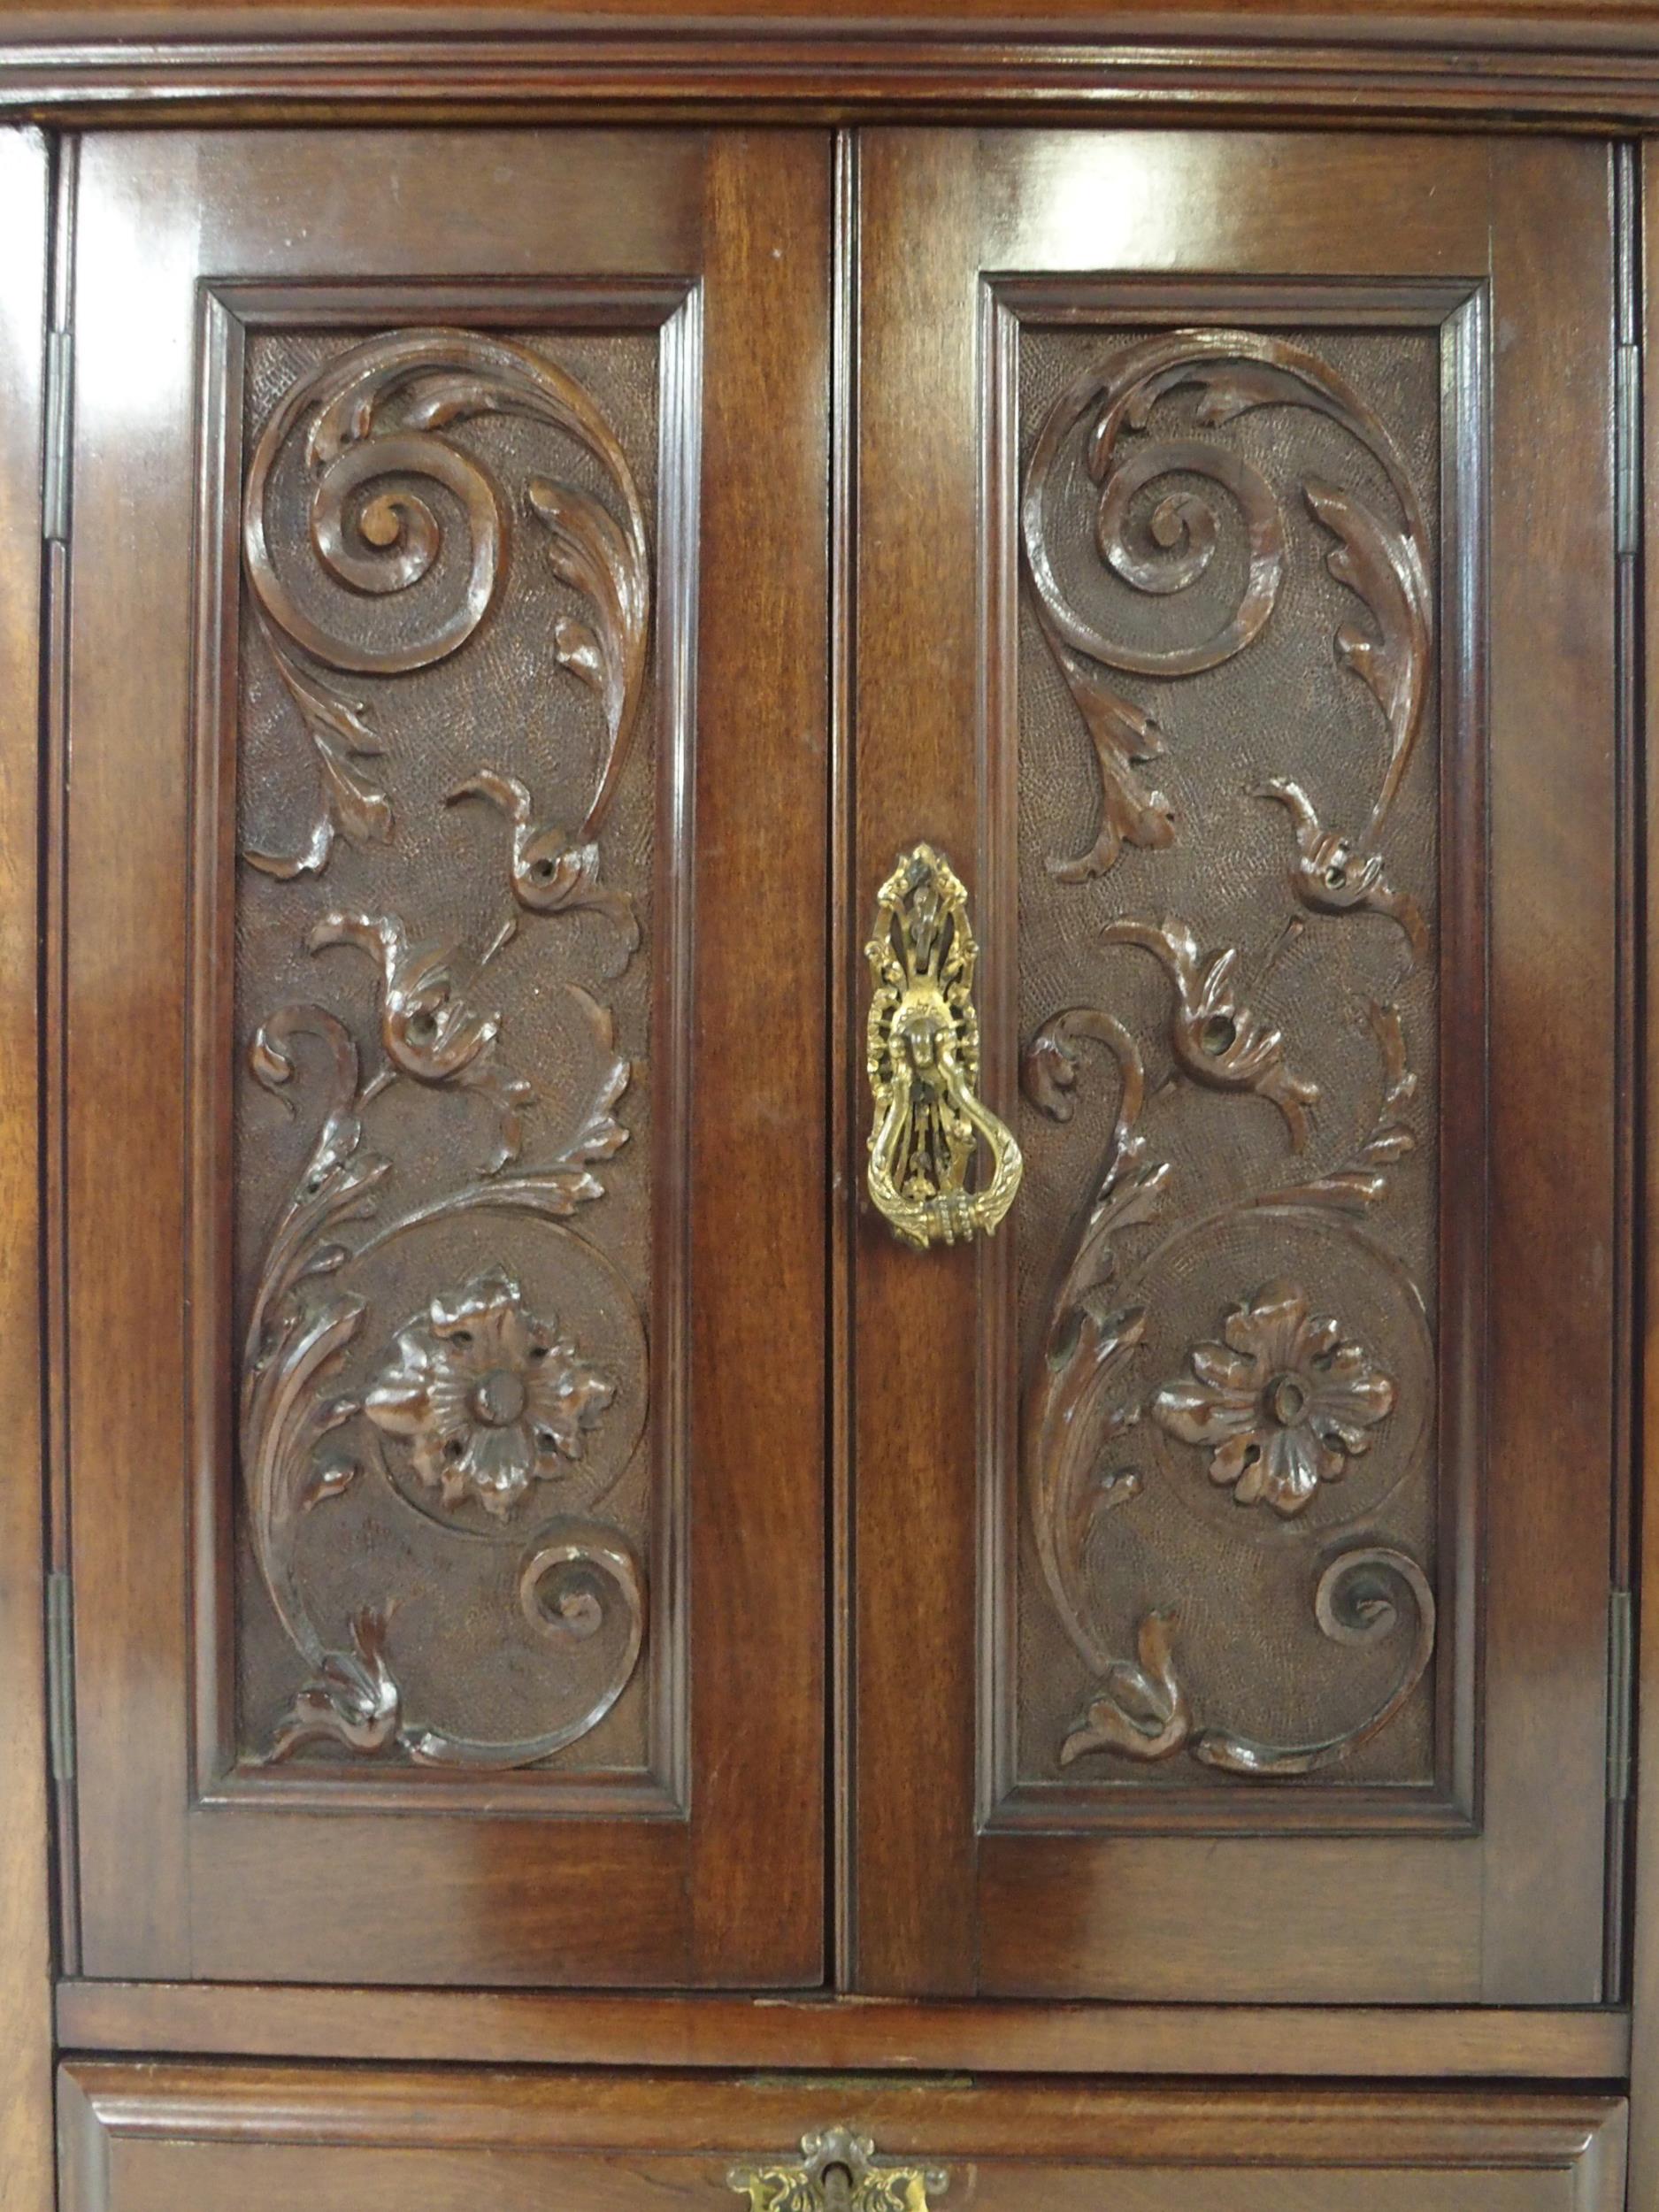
column 556, row 1191
column 428, row 1029
column 355, row 804
column 1141, row 1711
column 1383, row 568
column 1360, row 1182
column 288, row 1416
column 1330, row 876
column 1285, row 1401
column 593, row 556
column 1092, row 1340
column 1216, row 1040
column 353, row 1699
column 580, row 652
column 1124, row 738
column 550, row 874
column 372, row 420
column 296, row 1345
column 603, row 1135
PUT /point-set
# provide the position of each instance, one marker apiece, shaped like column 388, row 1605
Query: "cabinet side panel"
column 25, row 2184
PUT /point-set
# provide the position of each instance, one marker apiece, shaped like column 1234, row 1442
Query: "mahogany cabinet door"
column 1235, row 601
column 448, row 575
column 193, row 2138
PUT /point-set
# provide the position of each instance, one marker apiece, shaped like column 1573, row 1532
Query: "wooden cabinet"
column 837, row 1078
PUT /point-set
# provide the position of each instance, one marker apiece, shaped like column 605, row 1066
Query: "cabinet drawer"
column 196, row 2138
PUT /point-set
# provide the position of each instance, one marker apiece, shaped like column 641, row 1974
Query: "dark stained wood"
column 139, row 2138
column 1439, row 62
column 521, row 2027
column 759, row 844
column 238, row 1888
column 1514, row 1913
column 25, row 2164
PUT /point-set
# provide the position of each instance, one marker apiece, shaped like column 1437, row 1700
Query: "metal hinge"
column 55, row 476
column 1627, row 448
column 1621, row 1683
column 60, row 1675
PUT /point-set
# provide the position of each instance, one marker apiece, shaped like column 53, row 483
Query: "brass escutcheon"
column 836, row 2173
column 921, row 1050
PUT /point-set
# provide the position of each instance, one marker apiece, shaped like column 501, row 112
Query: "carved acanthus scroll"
column 376, row 419
column 479, row 1399
column 1381, row 562
column 1285, row 1397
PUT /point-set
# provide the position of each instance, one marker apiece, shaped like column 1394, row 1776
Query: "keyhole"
column 837, row 2187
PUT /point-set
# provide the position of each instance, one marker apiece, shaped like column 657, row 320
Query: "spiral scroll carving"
column 1094, row 427
column 375, row 419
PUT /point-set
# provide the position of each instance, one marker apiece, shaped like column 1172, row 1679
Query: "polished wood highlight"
column 354, row 2137
column 524, row 2027
column 25, row 1896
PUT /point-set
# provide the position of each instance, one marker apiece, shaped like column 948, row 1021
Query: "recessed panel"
column 1232, row 1461
column 447, row 1542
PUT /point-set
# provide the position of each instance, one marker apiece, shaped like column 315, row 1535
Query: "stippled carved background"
column 448, row 761
column 1225, row 1248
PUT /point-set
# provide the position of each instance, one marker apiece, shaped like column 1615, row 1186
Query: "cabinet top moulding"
column 1583, row 67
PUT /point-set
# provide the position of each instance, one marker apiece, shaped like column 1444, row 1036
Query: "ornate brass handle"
column 837, row 2172
column 922, row 1054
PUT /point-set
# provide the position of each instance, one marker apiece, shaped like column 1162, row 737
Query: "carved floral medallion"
column 1282, row 1405
column 487, row 1398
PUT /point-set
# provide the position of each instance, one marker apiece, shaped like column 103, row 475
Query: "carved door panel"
column 449, row 560
column 1236, row 617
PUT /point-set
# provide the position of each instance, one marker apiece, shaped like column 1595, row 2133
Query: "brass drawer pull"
column 837, row 2172
column 922, row 1050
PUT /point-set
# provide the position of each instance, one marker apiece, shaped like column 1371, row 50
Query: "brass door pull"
column 836, row 2173
column 923, row 1056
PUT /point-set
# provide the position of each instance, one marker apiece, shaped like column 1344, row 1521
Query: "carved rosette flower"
column 486, row 1396
column 1282, row 1406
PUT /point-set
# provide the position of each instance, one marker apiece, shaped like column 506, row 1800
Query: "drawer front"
column 197, row 2138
